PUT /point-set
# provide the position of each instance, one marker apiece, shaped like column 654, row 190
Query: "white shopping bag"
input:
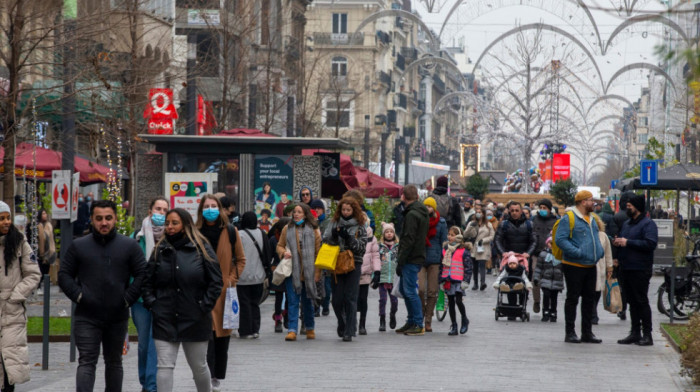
column 395, row 290
column 232, row 309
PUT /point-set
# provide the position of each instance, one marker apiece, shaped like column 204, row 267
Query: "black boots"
column 465, row 325
column 362, row 330
column 645, row 340
column 392, row 320
column 552, row 317
column 382, row 323
column 545, row 316
column 632, row 338
column 453, row 330
column 590, row 338
column 571, row 337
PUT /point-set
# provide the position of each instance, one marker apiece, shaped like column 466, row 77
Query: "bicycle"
column 686, row 299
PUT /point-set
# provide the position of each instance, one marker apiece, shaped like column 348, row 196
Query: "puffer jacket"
column 485, row 234
column 370, row 262
column 415, row 229
column 21, row 279
column 433, row 253
column 549, row 276
column 516, row 236
column 180, row 289
column 584, row 247
column 387, row 256
column 542, row 226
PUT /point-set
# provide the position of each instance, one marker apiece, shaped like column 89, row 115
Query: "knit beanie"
column 430, row 202
column 442, row 181
column 545, row 202
column 6, row 208
column 386, row 227
column 638, row 202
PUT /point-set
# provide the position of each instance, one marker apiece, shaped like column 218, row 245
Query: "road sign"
column 613, row 184
column 649, row 172
column 60, row 194
column 74, row 197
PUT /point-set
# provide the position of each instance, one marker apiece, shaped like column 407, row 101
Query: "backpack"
column 556, row 250
column 444, row 205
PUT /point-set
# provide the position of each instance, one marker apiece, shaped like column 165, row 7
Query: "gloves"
column 536, row 282
column 334, row 235
column 398, row 270
column 343, row 233
column 464, row 286
column 375, row 280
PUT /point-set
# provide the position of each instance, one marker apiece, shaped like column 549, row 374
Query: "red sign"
column 205, row 117
column 160, row 111
column 562, row 166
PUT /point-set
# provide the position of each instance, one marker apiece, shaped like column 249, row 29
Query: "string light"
column 31, row 189
column 111, row 186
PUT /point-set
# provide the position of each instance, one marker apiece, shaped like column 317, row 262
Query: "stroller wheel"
column 496, row 315
column 527, row 317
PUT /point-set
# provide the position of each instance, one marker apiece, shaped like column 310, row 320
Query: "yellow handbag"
column 327, row 257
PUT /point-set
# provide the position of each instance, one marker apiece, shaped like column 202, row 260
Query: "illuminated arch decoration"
column 428, row 60
column 606, row 97
column 647, row 66
column 484, row 112
column 644, row 19
column 606, row 118
column 434, row 42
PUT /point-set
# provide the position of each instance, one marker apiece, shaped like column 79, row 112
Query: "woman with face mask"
column 151, row 232
column 224, row 238
column 481, row 230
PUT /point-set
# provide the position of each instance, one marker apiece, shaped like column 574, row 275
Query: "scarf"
column 432, row 227
column 148, row 232
column 551, row 259
column 303, row 235
column 212, row 234
column 352, row 227
column 451, row 248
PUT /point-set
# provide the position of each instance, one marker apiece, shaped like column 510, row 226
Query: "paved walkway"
column 492, row 356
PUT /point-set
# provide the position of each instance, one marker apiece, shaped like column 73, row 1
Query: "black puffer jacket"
column 542, row 226
column 454, row 218
column 516, row 236
column 180, row 289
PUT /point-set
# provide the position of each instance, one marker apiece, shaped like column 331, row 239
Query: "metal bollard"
column 47, row 316
column 72, row 332
column 672, row 291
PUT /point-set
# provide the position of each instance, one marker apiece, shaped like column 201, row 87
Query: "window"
column 421, row 128
column 207, row 55
column 340, row 23
column 338, row 113
column 643, row 121
column 642, row 138
column 339, row 66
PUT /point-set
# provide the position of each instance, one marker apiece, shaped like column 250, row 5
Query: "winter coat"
column 388, row 256
column 22, row 278
column 605, row 263
column 397, row 217
column 230, row 272
column 642, row 237
column 485, row 234
column 583, row 249
column 99, row 273
column 370, row 262
column 548, row 275
column 542, row 226
column 433, row 253
column 516, row 236
column 460, row 269
column 181, row 289
column 454, row 218
column 415, row 229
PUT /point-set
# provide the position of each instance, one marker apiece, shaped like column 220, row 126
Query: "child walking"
column 456, row 272
column 388, row 251
column 548, row 273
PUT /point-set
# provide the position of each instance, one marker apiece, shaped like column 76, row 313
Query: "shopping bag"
column 612, row 300
column 441, row 301
column 282, row 272
column 395, row 290
column 327, row 257
column 232, row 309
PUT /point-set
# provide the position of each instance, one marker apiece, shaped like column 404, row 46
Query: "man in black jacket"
column 636, row 242
column 448, row 206
column 95, row 274
column 619, row 220
column 515, row 233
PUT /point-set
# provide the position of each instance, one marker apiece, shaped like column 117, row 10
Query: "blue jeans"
column 148, row 360
column 293, row 300
column 407, row 286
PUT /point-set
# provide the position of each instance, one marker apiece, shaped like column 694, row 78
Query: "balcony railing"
column 339, row 39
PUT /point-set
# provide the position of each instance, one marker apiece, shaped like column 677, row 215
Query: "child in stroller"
column 513, row 281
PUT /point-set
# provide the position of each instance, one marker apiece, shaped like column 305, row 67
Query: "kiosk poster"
column 330, row 165
column 274, row 180
column 186, row 189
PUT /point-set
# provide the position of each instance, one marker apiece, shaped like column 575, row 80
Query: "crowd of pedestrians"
column 174, row 275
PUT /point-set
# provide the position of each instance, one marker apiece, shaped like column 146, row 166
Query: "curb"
column 63, row 338
column 670, row 341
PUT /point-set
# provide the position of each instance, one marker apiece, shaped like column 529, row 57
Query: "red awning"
column 48, row 160
column 245, row 132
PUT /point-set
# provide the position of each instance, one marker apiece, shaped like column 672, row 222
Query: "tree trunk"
column 8, row 180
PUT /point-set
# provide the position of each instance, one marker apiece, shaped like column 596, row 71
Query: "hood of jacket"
column 306, row 187
column 440, row 190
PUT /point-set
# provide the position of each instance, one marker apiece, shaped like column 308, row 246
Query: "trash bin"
column 663, row 256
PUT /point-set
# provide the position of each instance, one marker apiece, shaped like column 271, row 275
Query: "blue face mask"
column 210, row 214
column 158, row 219
column 80, row 199
column 89, row 198
column 299, row 223
column 543, row 213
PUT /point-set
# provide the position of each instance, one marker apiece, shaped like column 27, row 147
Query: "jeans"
column 294, row 300
column 249, row 299
column 428, row 285
column 580, row 282
column 196, row 355
column 148, row 360
column 384, row 292
column 89, row 335
column 407, row 286
column 345, row 290
column 479, row 270
column 327, row 285
column 217, row 355
column 636, row 287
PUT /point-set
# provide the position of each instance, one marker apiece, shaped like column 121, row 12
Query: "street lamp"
column 366, row 141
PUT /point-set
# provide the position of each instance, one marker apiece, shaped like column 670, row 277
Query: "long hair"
column 222, row 220
column 308, row 216
column 357, row 212
column 13, row 241
column 190, row 231
column 41, row 212
column 277, row 228
column 481, row 221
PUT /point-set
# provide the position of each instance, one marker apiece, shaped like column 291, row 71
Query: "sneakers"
column 545, row 317
column 291, row 336
column 415, row 331
column 325, row 312
column 404, row 328
column 504, row 288
column 310, row 334
column 215, row 385
column 518, row 286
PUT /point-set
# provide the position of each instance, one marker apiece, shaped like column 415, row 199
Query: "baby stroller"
column 516, row 304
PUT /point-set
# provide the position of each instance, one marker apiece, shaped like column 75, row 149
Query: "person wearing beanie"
column 388, row 250
column 581, row 249
column 636, row 243
column 447, row 206
column 619, row 219
column 542, row 223
column 428, row 277
column 21, row 276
